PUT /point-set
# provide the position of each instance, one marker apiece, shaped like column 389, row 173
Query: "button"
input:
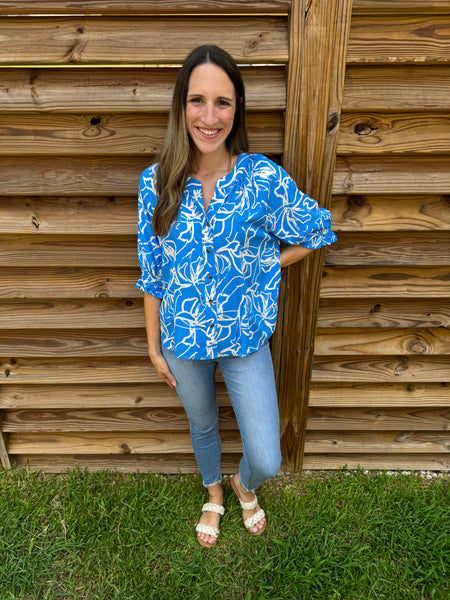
column 207, row 223
column 210, row 301
column 211, row 326
column 209, row 276
column 208, row 250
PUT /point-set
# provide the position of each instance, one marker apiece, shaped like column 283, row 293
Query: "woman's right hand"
column 162, row 368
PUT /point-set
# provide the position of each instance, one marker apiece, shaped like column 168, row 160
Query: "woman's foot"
column 247, row 500
column 208, row 526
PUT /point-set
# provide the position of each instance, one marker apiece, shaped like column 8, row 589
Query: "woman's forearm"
column 152, row 323
column 292, row 254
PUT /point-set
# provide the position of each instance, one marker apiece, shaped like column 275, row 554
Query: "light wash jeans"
column 251, row 386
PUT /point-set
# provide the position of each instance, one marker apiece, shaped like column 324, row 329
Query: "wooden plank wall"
column 380, row 381
column 83, row 108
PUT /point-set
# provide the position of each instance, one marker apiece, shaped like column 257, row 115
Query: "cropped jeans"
column 251, row 386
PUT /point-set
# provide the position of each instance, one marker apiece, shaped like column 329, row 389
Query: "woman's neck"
column 209, row 164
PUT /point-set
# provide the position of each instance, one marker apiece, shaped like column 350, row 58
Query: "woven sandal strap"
column 249, row 505
column 215, row 508
column 254, row 519
column 208, row 530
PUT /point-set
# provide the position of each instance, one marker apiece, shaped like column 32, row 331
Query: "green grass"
column 342, row 535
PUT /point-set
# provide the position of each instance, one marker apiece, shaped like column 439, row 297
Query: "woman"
column 211, row 218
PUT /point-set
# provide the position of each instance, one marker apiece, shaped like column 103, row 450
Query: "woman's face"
column 210, row 108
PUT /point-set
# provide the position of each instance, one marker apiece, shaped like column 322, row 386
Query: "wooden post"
column 4, row 458
column 319, row 32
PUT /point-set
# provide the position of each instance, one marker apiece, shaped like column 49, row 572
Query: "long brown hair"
column 176, row 155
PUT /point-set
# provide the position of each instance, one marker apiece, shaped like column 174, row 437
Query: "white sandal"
column 258, row 516
column 208, row 529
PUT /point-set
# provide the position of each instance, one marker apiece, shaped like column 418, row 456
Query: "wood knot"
column 417, row 346
column 125, row 449
column 400, row 368
column 375, row 308
column 332, row 122
column 138, row 399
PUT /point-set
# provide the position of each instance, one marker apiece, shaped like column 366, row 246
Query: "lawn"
column 337, row 535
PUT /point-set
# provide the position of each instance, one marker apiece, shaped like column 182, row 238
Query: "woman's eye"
column 195, row 100
column 224, row 103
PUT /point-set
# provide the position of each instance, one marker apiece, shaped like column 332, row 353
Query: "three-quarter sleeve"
column 293, row 217
column 149, row 250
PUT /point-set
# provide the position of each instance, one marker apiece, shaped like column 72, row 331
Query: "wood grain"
column 72, row 215
column 71, row 313
column 386, row 282
column 111, row 134
column 412, row 39
column 375, row 369
column 421, row 249
column 353, row 342
column 396, row 442
column 77, row 370
column 396, row 88
column 108, row 443
column 389, row 461
column 382, row 312
column 143, row 7
column 381, row 420
column 400, row 7
column 91, row 396
column 68, row 251
column 391, row 213
column 126, row 41
column 68, row 282
column 173, row 463
column 121, row 90
column 5, row 462
column 394, row 133
column 86, row 343
column 157, row 419
column 379, row 395
column 392, row 175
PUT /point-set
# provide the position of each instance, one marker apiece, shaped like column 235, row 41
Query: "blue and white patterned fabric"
column 218, row 273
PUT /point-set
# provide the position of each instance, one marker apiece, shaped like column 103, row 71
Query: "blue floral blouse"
column 218, row 272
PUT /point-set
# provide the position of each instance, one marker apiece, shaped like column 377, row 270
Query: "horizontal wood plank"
column 79, row 215
column 390, row 461
column 79, row 371
column 354, row 342
column 388, row 39
column 108, row 135
column 96, row 396
column 424, row 249
column 121, row 90
column 124, row 463
column 109, row 313
column 361, row 442
column 126, row 40
column 405, row 88
column 81, row 343
column 73, row 176
column 380, row 395
column 142, row 7
column 382, row 312
column 391, row 213
column 373, row 420
column 108, row 443
column 137, row 420
column 387, row 282
column 400, row 7
column 68, row 282
column 68, row 251
column 392, row 175
column 394, row 133
column 358, row 369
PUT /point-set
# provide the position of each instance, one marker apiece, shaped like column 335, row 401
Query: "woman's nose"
column 209, row 115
